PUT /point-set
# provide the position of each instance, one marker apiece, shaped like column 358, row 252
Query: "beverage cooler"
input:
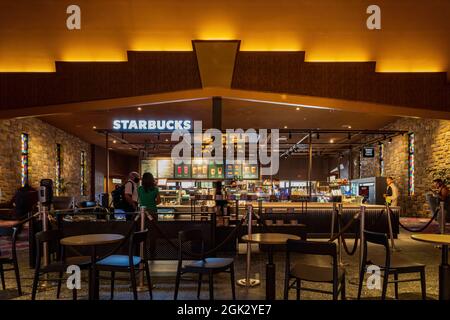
column 372, row 189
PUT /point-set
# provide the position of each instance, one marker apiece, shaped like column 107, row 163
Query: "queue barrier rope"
column 422, row 228
column 193, row 254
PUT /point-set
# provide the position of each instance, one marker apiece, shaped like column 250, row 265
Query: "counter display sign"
column 165, row 168
column 250, row 171
column 215, row 170
column 233, row 171
column 368, row 152
column 182, row 171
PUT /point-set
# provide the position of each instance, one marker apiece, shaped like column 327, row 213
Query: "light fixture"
column 139, row 109
column 285, row 127
column 331, row 140
column 94, row 127
column 114, row 141
column 297, row 108
column 167, row 140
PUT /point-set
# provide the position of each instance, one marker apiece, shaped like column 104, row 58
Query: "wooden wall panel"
column 144, row 73
column 284, row 72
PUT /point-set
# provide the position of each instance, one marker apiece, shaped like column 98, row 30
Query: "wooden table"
column 92, row 240
column 444, row 269
column 270, row 239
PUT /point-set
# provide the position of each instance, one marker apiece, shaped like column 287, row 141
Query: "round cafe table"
column 270, row 239
column 92, row 240
column 444, row 270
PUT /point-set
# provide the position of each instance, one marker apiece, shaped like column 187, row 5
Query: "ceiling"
column 235, row 114
column 328, row 30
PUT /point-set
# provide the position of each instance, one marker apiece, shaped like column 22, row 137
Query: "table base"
column 444, row 282
column 270, row 283
column 251, row 282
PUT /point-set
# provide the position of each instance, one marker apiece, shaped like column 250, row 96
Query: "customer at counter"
column 391, row 195
column 131, row 194
column 148, row 193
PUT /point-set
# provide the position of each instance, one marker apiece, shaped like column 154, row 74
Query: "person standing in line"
column 131, row 193
column 148, row 193
column 392, row 193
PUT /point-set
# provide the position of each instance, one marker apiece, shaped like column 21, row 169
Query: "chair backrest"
column 136, row 239
column 377, row 238
column 52, row 237
column 197, row 244
column 312, row 247
column 318, row 248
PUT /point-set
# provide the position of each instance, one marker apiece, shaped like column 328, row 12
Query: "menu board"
column 250, row 171
column 150, row 166
column 182, row 170
column 233, row 171
column 165, row 168
column 215, row 170
column 199, row 170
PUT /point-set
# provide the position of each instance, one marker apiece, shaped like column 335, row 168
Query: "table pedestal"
column 270, row 277
column 444, row 275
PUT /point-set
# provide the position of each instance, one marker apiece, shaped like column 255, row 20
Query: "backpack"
column 118, row 197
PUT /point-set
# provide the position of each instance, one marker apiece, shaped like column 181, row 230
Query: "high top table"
column 270, row 239
column 444, row 270
column 92, row 240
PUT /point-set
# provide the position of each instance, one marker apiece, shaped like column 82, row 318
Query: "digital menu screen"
column 165, row 168
column 182, row 171
column 199, row 169
column 215, row 170
column 250, row 171
column 150, row 166
column 233, row 171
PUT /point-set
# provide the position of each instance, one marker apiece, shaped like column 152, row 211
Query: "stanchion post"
column 333, row 221
column 141, row 251
column 442, row 216
column 361, row 234
column 339, row 214
column 248, row 282
column 391, row 233
column 44, row 219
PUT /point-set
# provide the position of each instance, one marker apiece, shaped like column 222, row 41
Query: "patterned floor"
column 163, row 274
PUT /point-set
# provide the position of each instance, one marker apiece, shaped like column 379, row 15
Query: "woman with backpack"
column 149, row 193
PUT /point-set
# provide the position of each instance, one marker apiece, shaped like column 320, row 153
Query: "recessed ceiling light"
column 167, row 140
column 114, row 141
column 139, row 109
column 297, row 108
column 331, row 140
column 94, row 127
column 285, row 127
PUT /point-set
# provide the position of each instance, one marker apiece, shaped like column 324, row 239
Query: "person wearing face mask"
column 131, row 192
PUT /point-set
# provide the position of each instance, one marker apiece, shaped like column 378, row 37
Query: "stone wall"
column 42, row 156
column 432, row 149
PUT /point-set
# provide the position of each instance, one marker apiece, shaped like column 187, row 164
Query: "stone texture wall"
column 42, row 156
column 432, row 149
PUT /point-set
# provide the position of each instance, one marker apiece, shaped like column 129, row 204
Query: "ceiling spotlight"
column 114, row 141
column 94, row 127
column 139, row 109
column 297, row 108
column 167, row 140
column 285, row 127
column 331, row 140
column 390, row 141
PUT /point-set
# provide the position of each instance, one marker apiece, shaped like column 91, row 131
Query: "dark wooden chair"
column 57, row 262
column 313, row 265
column 11, row 259
column 204, row 266
column 128, row 263
column 391, row 264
